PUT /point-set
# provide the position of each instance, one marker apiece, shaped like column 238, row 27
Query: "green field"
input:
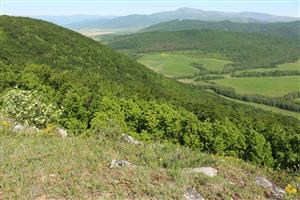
column 267, row 86
column 172, row 64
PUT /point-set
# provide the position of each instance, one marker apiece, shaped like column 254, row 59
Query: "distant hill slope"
column 140, row 21
column 247, row 50
column 284, row 29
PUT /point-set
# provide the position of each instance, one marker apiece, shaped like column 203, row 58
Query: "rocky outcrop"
column 277, row 192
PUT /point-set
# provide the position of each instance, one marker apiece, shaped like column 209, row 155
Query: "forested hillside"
column 283, row 29
column 246, row 50
column 95, row 86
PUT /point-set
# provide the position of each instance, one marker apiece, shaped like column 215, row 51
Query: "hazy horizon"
column 129, row 7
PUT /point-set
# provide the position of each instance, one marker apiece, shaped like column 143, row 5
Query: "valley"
column 232, row 66
column 181, row 104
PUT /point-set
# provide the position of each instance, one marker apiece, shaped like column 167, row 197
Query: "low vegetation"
column 48, row 167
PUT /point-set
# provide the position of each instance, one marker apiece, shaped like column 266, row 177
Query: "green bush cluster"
column 153, row 121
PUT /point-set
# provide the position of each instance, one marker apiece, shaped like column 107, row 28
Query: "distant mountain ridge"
column 142, row 21
column 284, row 29
column 68, row 19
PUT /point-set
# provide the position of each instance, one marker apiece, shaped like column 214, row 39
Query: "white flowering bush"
column 29, row 108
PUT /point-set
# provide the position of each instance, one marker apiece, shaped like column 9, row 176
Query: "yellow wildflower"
column 50, row 129
column 5, row 124
column 290, row 189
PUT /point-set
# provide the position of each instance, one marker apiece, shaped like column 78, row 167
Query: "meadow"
column 174, row 64
column 267, row 86
column 47, row 167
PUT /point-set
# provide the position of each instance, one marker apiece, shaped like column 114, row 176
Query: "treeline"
column 209, row 77
column 202, row 73
column 267, row 73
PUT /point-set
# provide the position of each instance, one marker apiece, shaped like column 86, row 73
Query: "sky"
column 125, row 7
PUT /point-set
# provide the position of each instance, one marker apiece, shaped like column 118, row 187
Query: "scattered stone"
column 18, row 128
column 52, row 175
column 130, row 139
column 192, row 194
column 22, row 128
column 209, row 171
column 265, row 183
column 277, row 192
column 62, row 133
column 44, row 197
column 242, row 184
column 120, row 163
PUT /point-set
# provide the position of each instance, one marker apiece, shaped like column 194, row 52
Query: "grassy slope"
column 284, row 29
column 173, row 64
column 267, row 86
column 44, row 167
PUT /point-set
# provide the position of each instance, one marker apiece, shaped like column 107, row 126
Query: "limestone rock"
column 62, row 133
column 120, row 163
column 18, row 128
column 192, row 194
column 209, row 171
column 277, row 192
column 130, row 139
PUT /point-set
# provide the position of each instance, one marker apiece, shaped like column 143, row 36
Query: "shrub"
column 29, row 108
